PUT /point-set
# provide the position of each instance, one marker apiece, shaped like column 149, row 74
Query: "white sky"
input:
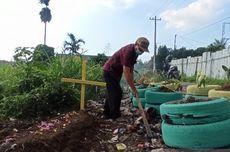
column 113, row 22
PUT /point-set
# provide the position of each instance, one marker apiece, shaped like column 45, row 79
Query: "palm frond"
column 46, row 2
column 45, row 15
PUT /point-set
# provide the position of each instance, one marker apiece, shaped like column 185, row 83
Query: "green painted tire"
column 196, row 112
column 157, row 107
column 135, row 103
column 154, row 97
column 219, row 93
column 141, row 92
column 206, row 136
column 194, row 90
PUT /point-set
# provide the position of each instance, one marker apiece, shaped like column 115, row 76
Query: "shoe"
column 119, row 119
column 114, row 117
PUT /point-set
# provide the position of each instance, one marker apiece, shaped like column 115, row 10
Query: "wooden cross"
column 83, row 82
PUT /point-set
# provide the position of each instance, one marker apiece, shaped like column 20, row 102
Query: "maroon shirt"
column 125, row 56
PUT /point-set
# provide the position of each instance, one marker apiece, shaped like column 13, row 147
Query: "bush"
column 32, row 90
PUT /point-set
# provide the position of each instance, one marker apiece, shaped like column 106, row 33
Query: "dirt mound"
column 81, row 132
column 75, row 136
column 225, row 87
column 72, row 138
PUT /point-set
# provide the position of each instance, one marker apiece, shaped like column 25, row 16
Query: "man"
column 122, row 61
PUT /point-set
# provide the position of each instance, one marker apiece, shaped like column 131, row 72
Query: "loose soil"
column 225, row 87
column 192, row 99
column 164, row 89
column 83, row 131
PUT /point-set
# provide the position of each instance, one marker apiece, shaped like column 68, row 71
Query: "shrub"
column 33, row 89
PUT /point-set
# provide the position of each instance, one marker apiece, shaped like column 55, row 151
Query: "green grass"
column 209, row 81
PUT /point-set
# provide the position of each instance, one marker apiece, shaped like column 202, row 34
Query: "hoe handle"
column 146, row 124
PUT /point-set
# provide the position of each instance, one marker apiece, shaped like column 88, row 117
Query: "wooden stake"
column 146, row 124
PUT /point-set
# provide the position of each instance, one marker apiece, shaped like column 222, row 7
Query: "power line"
column 187, row 42
column 192, row 39
column 159, row 8
column 197, row 30
column 206, row 26
column 170, row 4
column 166, row 40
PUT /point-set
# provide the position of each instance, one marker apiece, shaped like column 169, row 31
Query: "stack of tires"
column 155, row 98
column 141, row 92
column 197, row 125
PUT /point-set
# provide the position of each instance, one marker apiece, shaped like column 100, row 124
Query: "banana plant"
column 200, row 79
column 227, row 71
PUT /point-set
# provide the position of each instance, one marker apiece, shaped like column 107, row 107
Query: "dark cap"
column 143, row 43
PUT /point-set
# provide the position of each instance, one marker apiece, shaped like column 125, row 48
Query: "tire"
column 157, row 107
column 154, row 97
column 196, row 112
column 206, row 136
column 141, row 92
column 194, row 90
column 219, row 93
column 135, row 103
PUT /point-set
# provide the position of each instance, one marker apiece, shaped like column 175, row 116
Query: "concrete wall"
column 209, row 63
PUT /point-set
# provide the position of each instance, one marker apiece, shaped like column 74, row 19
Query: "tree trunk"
column 45, row 35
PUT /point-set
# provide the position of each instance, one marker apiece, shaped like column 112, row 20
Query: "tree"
column 217, row 45
column 23, row 54
column 43, row 53
column 101, row 58
column 221, row 43
column 45, row 15
column 163, row 51
column 200, row 50
column 74, row 45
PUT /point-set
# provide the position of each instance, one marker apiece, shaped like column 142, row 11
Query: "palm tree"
column 217, row 45
column 45, row 15
column 221, row 43
column 74, row 45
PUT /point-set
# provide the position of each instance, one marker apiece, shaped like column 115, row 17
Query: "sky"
column 107, row 25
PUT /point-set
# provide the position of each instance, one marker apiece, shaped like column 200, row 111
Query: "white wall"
column 209, row 63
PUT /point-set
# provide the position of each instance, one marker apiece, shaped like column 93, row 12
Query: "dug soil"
column 84, row 131
column 225, row 87
column 192, row 100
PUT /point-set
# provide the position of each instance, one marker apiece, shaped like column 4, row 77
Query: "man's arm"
column 128, row 73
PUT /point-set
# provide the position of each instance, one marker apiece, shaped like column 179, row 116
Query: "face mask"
column 138, row 52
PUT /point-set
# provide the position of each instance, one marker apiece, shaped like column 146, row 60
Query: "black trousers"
column 113, row 96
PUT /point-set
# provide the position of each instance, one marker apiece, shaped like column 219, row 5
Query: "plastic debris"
column 114, row 139
column 116, row 131
column 140, row 145
column 15, row 130
column 120, row 146
column 122, row 130
column 12, row 119
column 138, row 121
